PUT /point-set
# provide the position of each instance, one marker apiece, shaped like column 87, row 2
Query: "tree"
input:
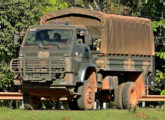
column 54, row 5
column 16, row 16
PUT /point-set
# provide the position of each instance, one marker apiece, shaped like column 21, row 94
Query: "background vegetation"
column 17, row 15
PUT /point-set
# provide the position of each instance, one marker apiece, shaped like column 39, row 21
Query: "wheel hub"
column 89, row 96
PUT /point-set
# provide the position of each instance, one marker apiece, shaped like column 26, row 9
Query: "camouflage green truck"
column 82, row 56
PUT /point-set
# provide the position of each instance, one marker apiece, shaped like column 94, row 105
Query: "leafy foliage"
column 162, row 92
column 54, row 5
column 16, row 16
column 159, row 83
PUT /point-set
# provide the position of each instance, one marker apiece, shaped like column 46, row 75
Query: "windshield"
column 60, row 38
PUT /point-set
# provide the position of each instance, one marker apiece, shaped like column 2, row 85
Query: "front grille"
column 44, row 66
column 58, row 66
column 39, row 70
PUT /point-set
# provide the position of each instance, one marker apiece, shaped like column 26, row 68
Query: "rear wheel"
column 87, row 98
column 129, row 95
column 118, row 96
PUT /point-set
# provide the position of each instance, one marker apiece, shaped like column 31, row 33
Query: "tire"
column 129, row 96
column 118, row 96
column 87, row 98
column 31, row 102
column 73, row 105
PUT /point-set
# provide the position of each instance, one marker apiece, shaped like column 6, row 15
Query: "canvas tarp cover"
column 121, row 35
column 129, row 35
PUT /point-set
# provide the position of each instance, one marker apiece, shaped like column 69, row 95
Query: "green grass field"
column 112, row 114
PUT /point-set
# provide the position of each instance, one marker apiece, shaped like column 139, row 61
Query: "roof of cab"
column 59, row 26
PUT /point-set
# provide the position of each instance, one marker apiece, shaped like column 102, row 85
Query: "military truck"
column 84, row 55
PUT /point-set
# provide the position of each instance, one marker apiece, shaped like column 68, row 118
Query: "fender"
column 82, row 71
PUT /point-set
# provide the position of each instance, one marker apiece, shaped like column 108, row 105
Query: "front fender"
column 83, row 70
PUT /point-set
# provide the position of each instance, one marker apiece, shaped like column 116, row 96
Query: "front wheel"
column 87, row 98
column 31, row 102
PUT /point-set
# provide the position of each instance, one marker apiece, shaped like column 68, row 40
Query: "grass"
column 112, row 114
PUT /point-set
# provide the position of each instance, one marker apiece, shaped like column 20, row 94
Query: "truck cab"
column 56, row 51
column 52, row 57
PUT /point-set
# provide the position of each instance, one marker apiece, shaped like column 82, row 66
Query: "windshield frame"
column 48, row 27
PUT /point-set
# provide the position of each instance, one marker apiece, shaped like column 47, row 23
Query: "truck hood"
column 43, row 53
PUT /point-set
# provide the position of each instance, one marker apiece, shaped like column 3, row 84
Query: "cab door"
column 82, row 45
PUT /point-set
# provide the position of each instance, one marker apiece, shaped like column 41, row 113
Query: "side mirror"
column 88, row 40
column 15, row 39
